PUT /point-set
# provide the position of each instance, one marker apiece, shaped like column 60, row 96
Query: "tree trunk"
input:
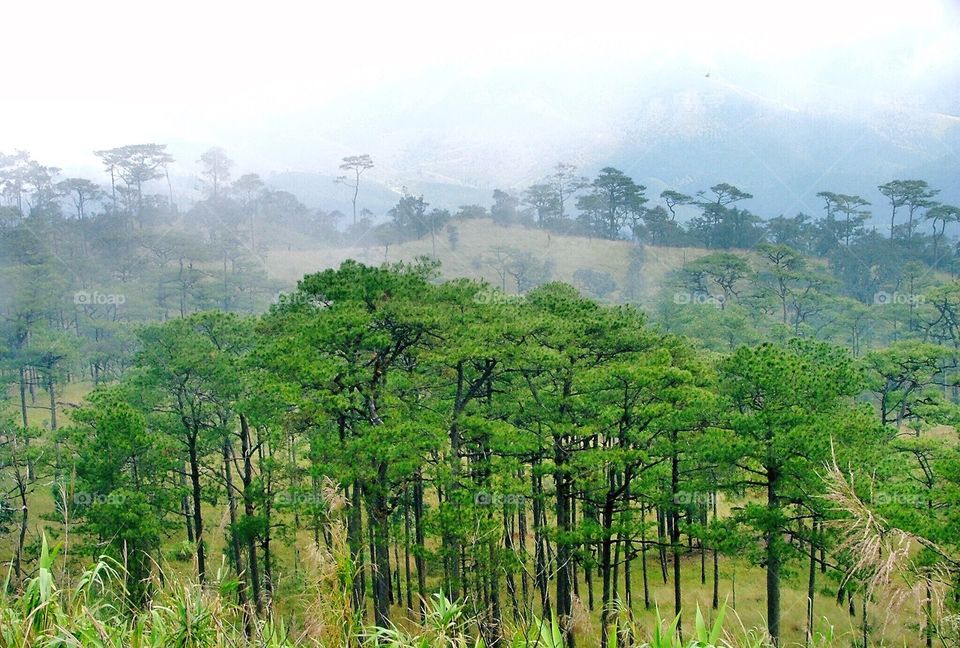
column 197, row 511
column 23, row 398
column 522, row 537
column 232, row 532
column 675, row 539
column 355, row 540
column 185, row 508
column 249, row 513
column 406, row 551
column 702, row 509
column 643, row 557
column 564, row 557
column 811, row 580
column 662, row 542
column 773, row 562
column 606, row 563
column 52, row 392
column 716, row 560
column 418, row 538
column 509, row 546
column 24, row 521
column 380, row 525
column 540, row 557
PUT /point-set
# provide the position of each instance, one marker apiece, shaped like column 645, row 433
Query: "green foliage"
column 503, row 444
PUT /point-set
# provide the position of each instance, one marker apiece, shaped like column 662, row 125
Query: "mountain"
column 456, row 142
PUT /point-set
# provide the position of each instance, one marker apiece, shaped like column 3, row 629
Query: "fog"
column 482, row 95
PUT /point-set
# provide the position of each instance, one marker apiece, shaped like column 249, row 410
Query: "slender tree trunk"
column 267, row 480
column 232, row 531
column 662, row 542
column 811, row 580
column 197, row 511
column 615, row 595
column 23, row 398
column 185, row 508
column 249, row 512
column 716, row 560
column 675, row 539
column 576, row 550
column 406, row 551
column 606, row 560
column 522, row 541
column 52, row 392
column 773, row 563
column 380, row 526
column 494, row 632
column 540, row 557
column 23, row 416
column 418, row 538
column 355, row 540
column 564, row 555
column 508, row 544
column 702, row 509
column 397, row 589
column 643, row 557
column 24, row 521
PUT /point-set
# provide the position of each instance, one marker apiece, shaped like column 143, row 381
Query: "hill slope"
column 481, row 247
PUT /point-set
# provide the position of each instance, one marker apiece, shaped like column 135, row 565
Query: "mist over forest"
column 473, row 326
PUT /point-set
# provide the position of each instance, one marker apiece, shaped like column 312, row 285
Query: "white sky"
column 96, row 74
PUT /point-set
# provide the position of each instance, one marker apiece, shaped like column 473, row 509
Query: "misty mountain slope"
column 455, row 146
column 784, row 156
column 476, row 256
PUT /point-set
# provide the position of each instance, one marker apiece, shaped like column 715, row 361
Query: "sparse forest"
column 386, row 453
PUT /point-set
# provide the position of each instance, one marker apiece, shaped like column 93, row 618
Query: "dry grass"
column 882, row 558
column 473, row 256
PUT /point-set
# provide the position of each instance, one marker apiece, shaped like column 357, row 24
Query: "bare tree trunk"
column 197, row 512
column 185, row 508
column 232, row 532
column 406, row 551
column 773, row 565
column 23, row 398
column 716, row 559
column 22, row 481
column 811, row 581
column 418, row 538
column 248, row 511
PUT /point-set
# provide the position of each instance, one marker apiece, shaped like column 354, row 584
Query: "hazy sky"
column 284, row 84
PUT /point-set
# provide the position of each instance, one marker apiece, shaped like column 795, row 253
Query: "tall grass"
column 94, row 611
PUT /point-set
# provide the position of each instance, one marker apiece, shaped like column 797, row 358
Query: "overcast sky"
column 279, row 82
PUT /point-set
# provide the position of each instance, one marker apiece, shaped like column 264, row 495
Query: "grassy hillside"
column 474, row 256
